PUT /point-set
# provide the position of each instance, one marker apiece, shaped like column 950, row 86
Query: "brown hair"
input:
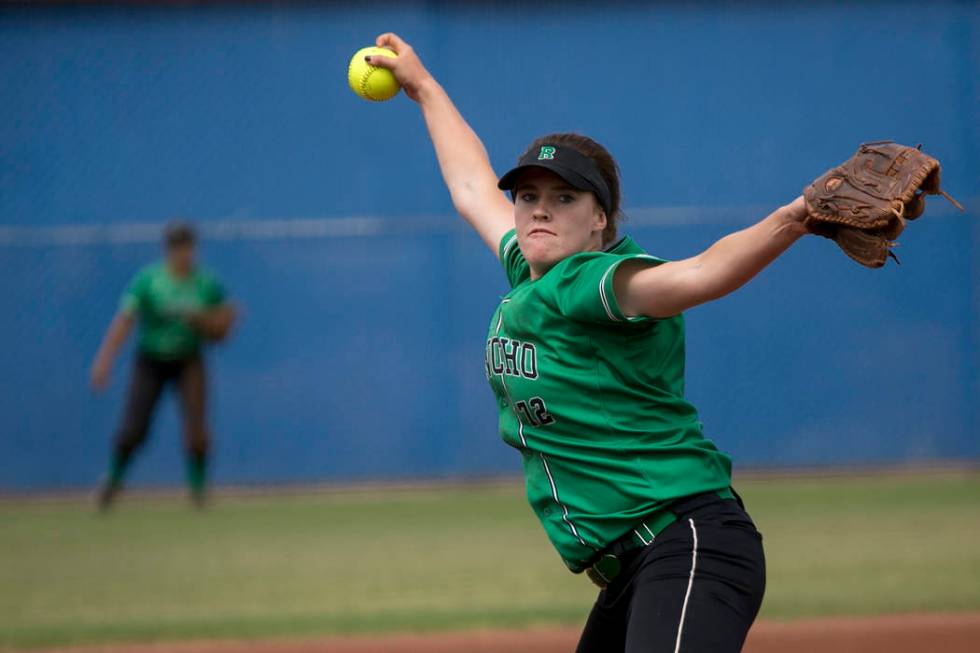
column 607, row 168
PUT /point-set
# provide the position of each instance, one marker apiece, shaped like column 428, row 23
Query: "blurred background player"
column 179, row 307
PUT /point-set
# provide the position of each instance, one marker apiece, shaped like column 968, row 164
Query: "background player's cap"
column 177, row 233
column 578, row 170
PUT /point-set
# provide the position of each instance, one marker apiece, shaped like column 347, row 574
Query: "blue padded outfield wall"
column 366, row 302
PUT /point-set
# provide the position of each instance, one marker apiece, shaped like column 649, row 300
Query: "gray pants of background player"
column 149, row 377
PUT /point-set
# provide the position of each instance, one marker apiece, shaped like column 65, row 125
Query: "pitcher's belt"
column 608, row 563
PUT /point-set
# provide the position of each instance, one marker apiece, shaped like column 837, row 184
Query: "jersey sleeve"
column 214, row 293
column 133, row 298
column 512, row 259
column 584, row 288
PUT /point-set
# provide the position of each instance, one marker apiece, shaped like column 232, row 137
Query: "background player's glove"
column 214, row 324
column 863, row 203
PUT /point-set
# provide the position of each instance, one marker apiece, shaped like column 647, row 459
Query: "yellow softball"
column 372, row 82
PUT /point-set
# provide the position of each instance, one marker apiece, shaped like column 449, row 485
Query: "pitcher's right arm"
column 463, row 160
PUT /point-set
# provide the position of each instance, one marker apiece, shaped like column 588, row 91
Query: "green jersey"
column 160, row 301
column 594, row 402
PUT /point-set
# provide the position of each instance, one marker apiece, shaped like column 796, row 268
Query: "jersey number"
column 534, row 412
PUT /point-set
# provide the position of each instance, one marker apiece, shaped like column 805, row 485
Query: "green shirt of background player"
column 178, row 308
column 585, row 355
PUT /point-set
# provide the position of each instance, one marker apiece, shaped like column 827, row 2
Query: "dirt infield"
column 950, row 633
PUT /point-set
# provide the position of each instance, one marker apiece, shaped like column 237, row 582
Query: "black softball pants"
column 149, row 378
column 695, row 589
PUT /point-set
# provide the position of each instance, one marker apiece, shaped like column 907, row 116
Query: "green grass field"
column 451, row 557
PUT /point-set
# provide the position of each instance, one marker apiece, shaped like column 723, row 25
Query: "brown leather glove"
column 863, row 203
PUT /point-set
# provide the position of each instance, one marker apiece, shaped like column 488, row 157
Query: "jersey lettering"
column 509, row 357
column 494, row 359
column 529, row 360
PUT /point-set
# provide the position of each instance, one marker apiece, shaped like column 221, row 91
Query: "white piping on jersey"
column 508, row 245
column 602, row 286
column 564, row 508
column 520, row 432
column 602, row 293
column 503, row 384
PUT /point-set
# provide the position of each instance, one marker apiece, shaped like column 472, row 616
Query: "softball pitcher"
column 585, row 355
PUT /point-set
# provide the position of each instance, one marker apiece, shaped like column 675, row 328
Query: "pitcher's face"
column 554, row 220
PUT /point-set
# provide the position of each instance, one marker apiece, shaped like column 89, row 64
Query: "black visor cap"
column 578, row 170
